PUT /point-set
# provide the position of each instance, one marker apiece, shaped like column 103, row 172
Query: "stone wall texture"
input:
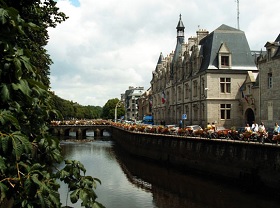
column 235, row 160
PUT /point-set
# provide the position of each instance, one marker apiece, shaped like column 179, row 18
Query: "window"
column 225, row 61
column 179, row 93
column 269, row 80
column 225, row 84
column 269, row 54
column 195, row 88
column 203, row 86
column 225, row 111
column 249, row 89
column 187, row 89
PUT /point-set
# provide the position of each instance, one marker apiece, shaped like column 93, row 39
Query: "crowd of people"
column 259, row 131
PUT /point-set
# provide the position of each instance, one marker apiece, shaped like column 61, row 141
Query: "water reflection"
column 99, row 159
column 171, row 188
column 132, row 182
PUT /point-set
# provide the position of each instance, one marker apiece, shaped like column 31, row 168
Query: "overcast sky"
column 106, row 46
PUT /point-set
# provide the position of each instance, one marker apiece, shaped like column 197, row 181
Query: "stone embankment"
column 253, row 163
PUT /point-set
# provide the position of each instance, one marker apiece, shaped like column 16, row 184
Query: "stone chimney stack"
column 201, row 33
column 191, row 41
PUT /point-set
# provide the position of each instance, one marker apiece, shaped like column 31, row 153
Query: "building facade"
column 200, row 81
column 269, row 83
column 145, row 104
column 130, row 99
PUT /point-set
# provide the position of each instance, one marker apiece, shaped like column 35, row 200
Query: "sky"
column 106, row 46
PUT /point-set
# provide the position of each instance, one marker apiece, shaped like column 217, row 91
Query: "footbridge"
column 81, row 130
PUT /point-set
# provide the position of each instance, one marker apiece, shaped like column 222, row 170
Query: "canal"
column 129, row 182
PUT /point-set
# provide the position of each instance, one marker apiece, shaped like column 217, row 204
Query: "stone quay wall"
column 250, row 162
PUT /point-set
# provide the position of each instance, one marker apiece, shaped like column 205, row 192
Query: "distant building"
column 145, row 103
column 130, row 98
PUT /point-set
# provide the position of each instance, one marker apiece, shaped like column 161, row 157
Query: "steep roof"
column 180, row 41
column 160, row 58
column 235, row 41
column 180, row 24
column 278, row 42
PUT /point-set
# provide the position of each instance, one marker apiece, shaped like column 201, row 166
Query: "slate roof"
column 178, row 49
column 180, row 24
column 160, row 58
column 277, row 41
column 237, row 44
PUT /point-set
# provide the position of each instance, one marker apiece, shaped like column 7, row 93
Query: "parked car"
column 173, row 129
column 194, row 130
column 223, row 133
column 241, row 130
column 270, row 133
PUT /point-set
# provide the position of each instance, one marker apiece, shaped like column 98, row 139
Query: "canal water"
column 129, row 182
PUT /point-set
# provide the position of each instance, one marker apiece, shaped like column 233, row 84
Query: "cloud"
column 106, row 46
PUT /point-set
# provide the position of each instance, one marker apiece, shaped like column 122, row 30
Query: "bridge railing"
column 160, row 129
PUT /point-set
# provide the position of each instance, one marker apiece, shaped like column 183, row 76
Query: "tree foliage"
column 69, row 109
column 108, row 111
column 28, row 154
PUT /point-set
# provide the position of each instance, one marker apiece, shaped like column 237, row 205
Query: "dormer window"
column 224, row 60
column 269, row 54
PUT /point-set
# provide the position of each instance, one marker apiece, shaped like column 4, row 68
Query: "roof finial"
column 237, row 1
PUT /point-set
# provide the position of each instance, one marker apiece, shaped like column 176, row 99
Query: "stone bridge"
column 81, row 130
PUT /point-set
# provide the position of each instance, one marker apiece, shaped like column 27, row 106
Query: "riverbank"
column 254, row 164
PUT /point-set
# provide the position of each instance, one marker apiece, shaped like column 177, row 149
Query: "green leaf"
column 96, row 179
column 7, row 116
column 74, row 196
column 17, row 146
column 21, row 144
column 84, row 196
column 4, row 16
column 3, row 190
column 26, row 63
column 5, row 144
column 35, row 179
column 5, row 94
column 22, row 86
column 17, row 64
column 3, row 166
column 36, row 167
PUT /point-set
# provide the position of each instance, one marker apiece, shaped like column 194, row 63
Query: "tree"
column 69, row 109
column 108, row 111
column 28, row 154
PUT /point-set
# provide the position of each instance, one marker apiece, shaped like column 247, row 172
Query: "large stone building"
column 203, row 77
column 269, row 83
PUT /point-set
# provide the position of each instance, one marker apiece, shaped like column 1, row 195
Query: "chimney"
column 201, row 33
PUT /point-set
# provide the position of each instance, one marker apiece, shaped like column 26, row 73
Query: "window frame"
column 225, row 110
column 269, row 80
column 225, row 61
column 225, row 85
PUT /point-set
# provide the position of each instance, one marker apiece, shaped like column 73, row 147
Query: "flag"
column 163, row 97
column 244, row 96
column 151, row 101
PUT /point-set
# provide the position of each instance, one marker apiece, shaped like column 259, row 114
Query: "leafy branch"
column 28, row 154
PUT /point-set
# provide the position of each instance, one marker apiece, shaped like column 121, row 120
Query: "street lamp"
column 116, row 108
